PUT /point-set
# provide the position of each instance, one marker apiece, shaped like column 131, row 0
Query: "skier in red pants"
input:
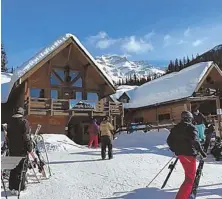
column 184, row 142
column 93, row 134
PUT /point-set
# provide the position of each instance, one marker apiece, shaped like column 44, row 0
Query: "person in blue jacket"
column 200, row 123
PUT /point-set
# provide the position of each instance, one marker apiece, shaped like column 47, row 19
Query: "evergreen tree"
column 176, row 65
column 135, row 78
column 184, row 61
column 170, row 67
column 192, row 57
column 188, row 60
column 180, row 65
column 3, row 59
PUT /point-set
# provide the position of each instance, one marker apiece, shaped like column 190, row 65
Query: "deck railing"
column 49, row 106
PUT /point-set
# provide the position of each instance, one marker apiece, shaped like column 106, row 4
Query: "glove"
column 203, row 154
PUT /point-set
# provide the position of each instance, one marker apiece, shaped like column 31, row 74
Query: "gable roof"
column 40, row 56
column 174, row 86
column 120, row 90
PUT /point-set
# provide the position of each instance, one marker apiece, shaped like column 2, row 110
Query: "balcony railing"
column 48, row 106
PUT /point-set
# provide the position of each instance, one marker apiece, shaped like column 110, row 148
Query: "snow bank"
column 177, row 85
column 5, row 79
column 57, row 143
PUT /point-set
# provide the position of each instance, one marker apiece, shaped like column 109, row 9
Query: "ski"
column 197, row 180
column 171, row 167
column 200, row 167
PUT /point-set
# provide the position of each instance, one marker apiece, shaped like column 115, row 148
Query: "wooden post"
column 219, row 115
column 51, row 106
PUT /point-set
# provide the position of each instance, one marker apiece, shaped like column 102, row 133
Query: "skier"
column 19, row 144
column 93, row 133
column 106, row 130
column 183, row 141
column 200, row 123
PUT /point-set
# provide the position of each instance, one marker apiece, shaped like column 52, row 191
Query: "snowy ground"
column 79, row 173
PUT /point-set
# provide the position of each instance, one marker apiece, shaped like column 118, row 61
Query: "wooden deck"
column 61, row 107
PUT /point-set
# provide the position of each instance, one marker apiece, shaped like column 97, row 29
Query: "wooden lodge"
column 161, row 101
column 63, row 86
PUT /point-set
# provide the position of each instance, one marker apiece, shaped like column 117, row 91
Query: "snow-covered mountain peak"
column 119, row 67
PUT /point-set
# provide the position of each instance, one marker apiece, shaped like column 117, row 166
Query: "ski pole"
column 171, row 167
column 160, row 171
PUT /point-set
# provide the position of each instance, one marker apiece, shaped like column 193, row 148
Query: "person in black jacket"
column 19, row 144
column 184, row 142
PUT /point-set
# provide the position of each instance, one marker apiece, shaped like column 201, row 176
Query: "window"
column 78, row 95
column 92, row 96
column 35, row 92
column 60, row 73
column 162, row 117
column 54, row 80
column 73, row 74
column 54, row 94
column 78, row 83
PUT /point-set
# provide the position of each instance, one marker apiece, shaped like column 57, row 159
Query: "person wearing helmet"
column 93, row 134
column 106, row 130
column 183, row 140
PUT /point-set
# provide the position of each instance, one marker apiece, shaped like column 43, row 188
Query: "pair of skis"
column 40, row 162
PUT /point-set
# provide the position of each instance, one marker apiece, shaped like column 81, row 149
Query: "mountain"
column 214, row 54
column 119, row 67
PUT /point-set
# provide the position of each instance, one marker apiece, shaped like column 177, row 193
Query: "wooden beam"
column 76, row 78
column 45, row 60
column 85, row 72
column 70, row 49
column 219, row 117
column 57, row 76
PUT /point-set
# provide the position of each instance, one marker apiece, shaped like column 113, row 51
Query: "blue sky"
column 157, row 30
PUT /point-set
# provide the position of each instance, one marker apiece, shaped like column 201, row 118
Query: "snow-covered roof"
column 120, row 90
column 5, row 79
column 29, row 64
column 174, row 86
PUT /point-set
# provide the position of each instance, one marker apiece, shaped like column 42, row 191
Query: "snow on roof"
column 177, row 85
column 120, row 90
column 5, row 79
column 29, row 64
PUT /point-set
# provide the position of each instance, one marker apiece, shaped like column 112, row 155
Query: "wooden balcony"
column 46, row 106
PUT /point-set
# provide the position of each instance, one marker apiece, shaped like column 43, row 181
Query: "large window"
column 35, row 92
column 78, row 96
column 163, row 117
column 92, row 96
column 54, row 80
column 54, row 94
column 78, row 83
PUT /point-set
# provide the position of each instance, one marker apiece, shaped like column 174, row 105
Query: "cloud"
column 126, row 44
column 199, row 42
column 101, row 40
column 187, row 32
column 133, row 45
column 149, row 35
column 166, row 40
column 181, row 42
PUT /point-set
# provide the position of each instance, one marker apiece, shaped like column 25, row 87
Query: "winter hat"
column 19, row 112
